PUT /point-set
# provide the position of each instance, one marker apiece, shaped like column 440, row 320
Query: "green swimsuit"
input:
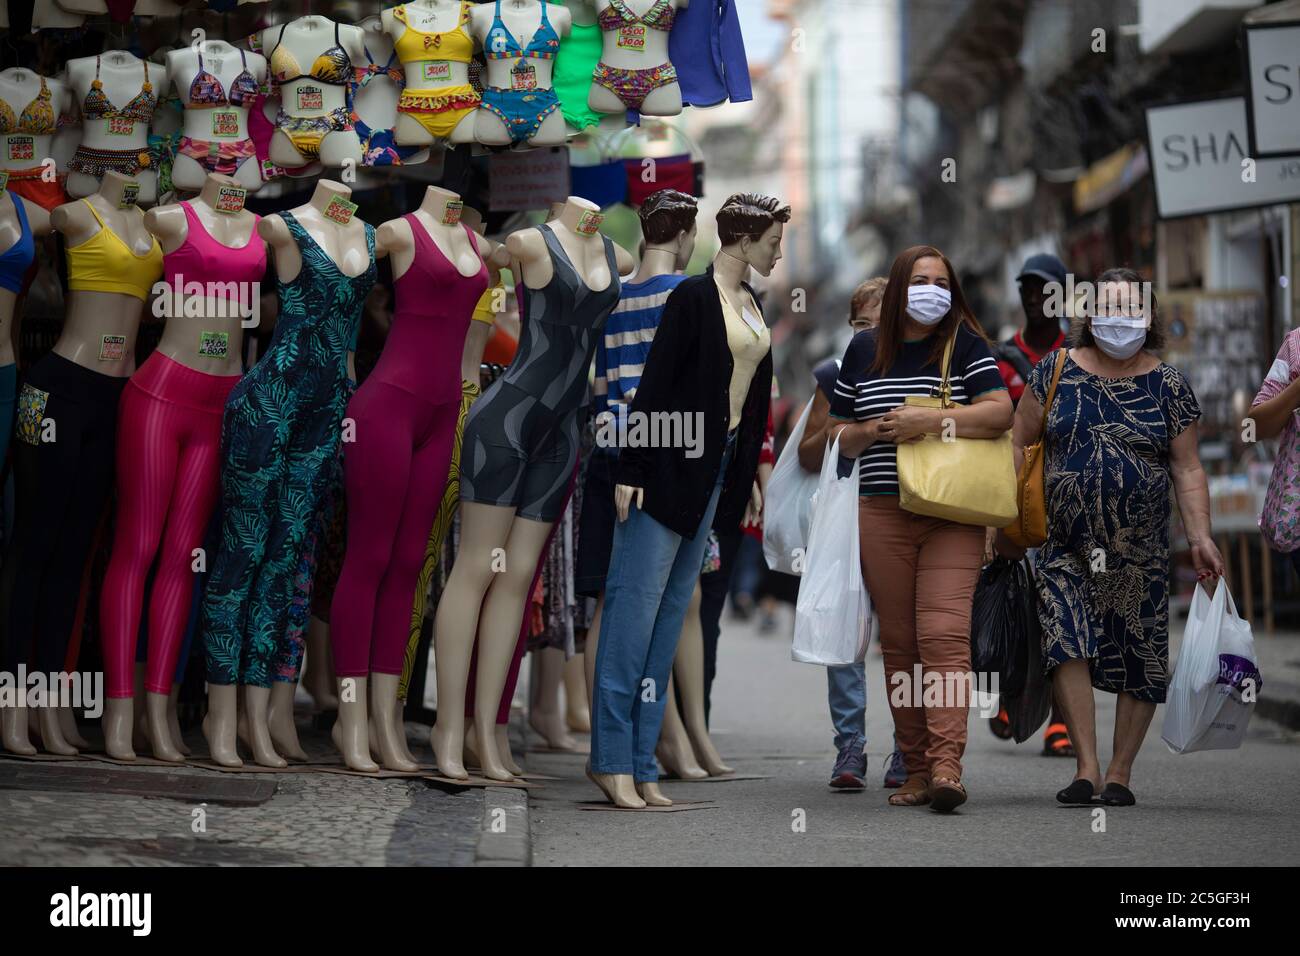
column 575, row 62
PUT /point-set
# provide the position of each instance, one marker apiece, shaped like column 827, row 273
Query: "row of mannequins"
column 190, row 428
column 311, row 92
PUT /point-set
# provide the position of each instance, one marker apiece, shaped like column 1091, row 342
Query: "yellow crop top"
column 415, row 45
column 105, row 263
column 483, row 311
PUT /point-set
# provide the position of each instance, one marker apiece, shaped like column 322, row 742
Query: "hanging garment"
column 709, row 52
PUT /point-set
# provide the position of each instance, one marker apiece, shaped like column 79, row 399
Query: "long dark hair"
column 893, row 310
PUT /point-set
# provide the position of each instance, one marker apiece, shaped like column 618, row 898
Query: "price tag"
column 112, row 348
column 754, row 322
column 523, row 77
column 121, row 126
column 340, row 210
column 214, row 344
column 589, row 222
column 451, row 214
column 311, row 98
column 434, row 72
column 230, row 199
column 21, row 148
column 631, row 37
column 130, row 192
column 225, row 123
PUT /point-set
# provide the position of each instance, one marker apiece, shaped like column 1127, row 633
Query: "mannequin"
column 35, row 103
column 47, row 14
column 169, row 469
column 122, row 10
column 20, row 223
column 282, row 427
column 380, row 87
column 577, row 712
column 65, row 438
column 312, row 60
column 217, row 84
column 406, row 415
column 511, row 496
column 118, row 94
column 520, row 39
column 439, row 102
column 574, row 65
column 667, row 500
column 688, row 672
column 634, row 72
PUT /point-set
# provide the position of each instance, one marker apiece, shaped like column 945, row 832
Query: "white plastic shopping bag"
column 833, row 613
column 1216, row 680
column 788, row 514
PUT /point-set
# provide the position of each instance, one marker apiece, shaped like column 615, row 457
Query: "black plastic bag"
column 1001, row 617
column 1028, row 708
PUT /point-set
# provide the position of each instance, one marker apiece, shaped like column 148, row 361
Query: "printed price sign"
column 523, row 77
column 22, row 148
column 230, row 199
column 112, row 348
column 340, row 210
column 632, row 38
column 589, row 222
column 121, row 126
column 451, row 214
column 311, row 98
column 130, row 192
column 435, row 72
column 214, row 344
column 225, row 123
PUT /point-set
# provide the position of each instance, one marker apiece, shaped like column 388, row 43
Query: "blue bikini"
column 523, row 108
column 14, row 263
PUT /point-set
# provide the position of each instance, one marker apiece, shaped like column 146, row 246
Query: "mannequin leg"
column 577, row 714
column 389, row 731
column 279, row 717
column 318, row 673
column 71, row 733
column 674, row 750
column 257, row 701
column 160, row 736
column 544, row 713
column 484, row 532
column 688, row 669
column 593, row 645
column 118, row 723
column 219, row 725
column 174, row 720
column 351, row 730
column 140, row 720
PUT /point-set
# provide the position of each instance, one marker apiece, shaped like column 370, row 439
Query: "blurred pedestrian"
column 1274, row 413
column 1121, row 432
column 920, row 571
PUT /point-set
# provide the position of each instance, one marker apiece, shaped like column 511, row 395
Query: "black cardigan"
column 689, row 370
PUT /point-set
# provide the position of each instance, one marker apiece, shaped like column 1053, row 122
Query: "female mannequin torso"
column 31, row 138
column 380, row 81
column 427, row 73
column 516, row 36
column 634, row 72
column 219, row 121
column 11, row 234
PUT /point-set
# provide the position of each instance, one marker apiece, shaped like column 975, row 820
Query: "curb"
column 1282, row 706
column 504, row 836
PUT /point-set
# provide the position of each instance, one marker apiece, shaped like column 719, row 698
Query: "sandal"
column 1056, row 742
column 1116, row 795
column 1001, row 725
column 915, row 792
column 1077, row 793
column 946, row 795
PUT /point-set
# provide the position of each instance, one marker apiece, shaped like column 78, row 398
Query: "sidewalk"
column 1279, row 667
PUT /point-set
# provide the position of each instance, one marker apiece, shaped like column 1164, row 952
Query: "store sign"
column 1272, row 70
column 529, row 179
column 1198, row 154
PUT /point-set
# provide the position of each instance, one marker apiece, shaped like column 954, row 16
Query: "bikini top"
column 105, row 263
column 502, row 45
column 658, row 17
column 334, row 66
column 97, row 105
column 36, row 119
column 202, row 258
column 455, row 45
column 364, row 74
column 206, row 89
column 15, row 260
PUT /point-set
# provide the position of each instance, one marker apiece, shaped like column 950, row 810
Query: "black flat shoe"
column 1117, row 795
column 1079, row 792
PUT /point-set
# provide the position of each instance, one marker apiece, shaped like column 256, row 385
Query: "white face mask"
column 1119, row 338
column 928, row 304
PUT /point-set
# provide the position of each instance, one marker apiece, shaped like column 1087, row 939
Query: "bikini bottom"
column 218, row 157
column 522, row 111
column 379, row 146
column 633, row 86
column 163, row 147
column 96, row 162
column 307, row 132
column 32, row 185
column 439, row 110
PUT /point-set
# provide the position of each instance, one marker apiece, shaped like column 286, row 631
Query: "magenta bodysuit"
column 405, row 418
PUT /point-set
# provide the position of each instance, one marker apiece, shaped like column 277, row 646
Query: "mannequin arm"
column 623, row 495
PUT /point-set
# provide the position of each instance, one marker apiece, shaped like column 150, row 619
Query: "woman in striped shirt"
column 920, row 571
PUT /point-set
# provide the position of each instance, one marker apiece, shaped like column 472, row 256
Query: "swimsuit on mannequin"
column 378, row 146
column 439, row 109
column 406, row 415
column 97, row 106
column 14, row 263
column 523, row 108
column 37, row 119
column 281, row 433
column 333, row 67
column 223, row 156
column 574, row 64
column 168, row 466
column 521, row 440
column 633, row 86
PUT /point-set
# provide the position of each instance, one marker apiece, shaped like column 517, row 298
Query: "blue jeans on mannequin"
column 652, row 574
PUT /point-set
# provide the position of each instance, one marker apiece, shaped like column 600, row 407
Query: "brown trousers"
column 921, row 574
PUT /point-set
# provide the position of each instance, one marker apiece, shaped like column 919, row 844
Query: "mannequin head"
column 668, row 222
column 750, row 228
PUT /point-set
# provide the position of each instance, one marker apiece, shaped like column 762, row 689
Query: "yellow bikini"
column 437, row 109
column 334, row 67
column 105, row 263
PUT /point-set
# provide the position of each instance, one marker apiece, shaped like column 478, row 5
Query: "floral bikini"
column 633, row 86
column 206, row 92
column 96, row 106
column 333, row 67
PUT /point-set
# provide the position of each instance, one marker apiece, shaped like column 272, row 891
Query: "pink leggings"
column 395, row 472
column 168, row 480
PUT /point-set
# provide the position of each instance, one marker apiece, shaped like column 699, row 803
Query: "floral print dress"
column 1103, row 572
column 280, row 441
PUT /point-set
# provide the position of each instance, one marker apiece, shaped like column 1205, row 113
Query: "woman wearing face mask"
column 920, row 571
column 1121, row 430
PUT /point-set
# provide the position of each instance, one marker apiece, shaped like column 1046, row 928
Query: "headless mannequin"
column 346, row 247
column 123, row 78
column 376, row 102
column 522, row 18
column 18, row 88
column 664, row 101
column 476, row 339
column 171, row 227
column 200, row 122
column 47, row 14
column 476, row 598
column 429, row 16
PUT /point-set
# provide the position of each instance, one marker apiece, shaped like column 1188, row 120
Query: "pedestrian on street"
column 847, row 683
column 1042, row 333
column 920, row 571
column 1274, row 414
column 1120, row 432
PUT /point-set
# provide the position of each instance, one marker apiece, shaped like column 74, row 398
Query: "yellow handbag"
column 1029, row 530
column 966, row 480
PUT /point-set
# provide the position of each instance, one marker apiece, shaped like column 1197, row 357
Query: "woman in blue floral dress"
column 1120, row 434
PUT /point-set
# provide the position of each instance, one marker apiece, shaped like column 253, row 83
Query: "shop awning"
column 1108, row 179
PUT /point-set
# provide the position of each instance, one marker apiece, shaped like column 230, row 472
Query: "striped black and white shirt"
column 862, row 394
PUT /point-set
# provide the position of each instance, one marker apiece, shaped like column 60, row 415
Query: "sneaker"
column 850, row 769
column 895, row 773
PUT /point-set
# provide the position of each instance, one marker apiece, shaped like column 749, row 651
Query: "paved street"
column 770, row 717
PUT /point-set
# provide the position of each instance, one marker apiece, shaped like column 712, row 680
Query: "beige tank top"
column 748, row 347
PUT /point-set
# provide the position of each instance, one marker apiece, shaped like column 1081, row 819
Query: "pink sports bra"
column 222, row 270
